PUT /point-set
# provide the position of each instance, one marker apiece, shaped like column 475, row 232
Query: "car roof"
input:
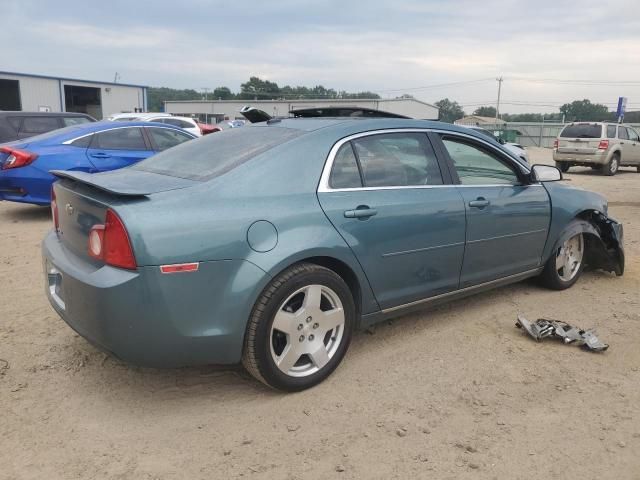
column 10, row 113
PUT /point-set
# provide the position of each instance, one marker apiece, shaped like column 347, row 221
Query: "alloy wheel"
column 569, row 257
column 307, row 330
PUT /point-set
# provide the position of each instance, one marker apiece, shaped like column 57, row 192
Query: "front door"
column 507, row 218
column 117, row 148
column 389, row 200
column 631, row 147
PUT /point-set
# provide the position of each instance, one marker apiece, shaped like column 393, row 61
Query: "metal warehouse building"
column 218, row 110
column 40, row 93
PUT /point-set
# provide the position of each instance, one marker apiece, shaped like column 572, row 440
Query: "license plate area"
column 54, row 284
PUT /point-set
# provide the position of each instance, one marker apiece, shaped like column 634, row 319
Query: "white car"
column 515, row 148
column 134, row 116
column 185, row 123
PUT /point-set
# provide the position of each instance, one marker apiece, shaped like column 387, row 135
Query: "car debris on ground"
column 543, row 328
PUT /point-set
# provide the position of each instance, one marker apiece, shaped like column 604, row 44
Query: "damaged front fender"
column 603, row 241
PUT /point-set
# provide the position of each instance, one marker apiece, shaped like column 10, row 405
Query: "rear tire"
column 563, row 166
column 565, row 265
column 300, row 328
column 596, row 167
column 612, row 166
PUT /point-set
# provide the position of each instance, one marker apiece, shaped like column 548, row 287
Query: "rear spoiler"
column 254, row 115
column 127, row 182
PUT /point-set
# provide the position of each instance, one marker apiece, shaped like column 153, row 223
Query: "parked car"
column 186, row 123
column 514, row 148
column 599, row 145
column 135, row 116
column 19, row 125
column 91, row 147
column 269, row 244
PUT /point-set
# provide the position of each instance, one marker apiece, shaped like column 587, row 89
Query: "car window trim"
column 67, row 142
column 432, row 134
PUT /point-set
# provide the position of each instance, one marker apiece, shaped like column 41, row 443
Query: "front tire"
column 563, row 166
column 300, row 328
column 565, row 266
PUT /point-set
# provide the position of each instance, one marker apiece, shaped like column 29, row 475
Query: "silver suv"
column 601, row 146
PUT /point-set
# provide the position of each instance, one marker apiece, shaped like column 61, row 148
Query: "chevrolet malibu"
column 269, row 244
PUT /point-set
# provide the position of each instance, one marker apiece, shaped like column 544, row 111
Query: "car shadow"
column 96, row 370
column 25, row 213
column 596, row 173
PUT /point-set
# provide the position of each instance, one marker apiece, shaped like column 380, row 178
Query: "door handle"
column 479, row 202
column 100, row 155
column 362, row 211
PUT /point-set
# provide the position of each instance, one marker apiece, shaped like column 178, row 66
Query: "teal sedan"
column 269, row 244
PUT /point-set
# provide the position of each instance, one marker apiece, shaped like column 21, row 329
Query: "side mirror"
column 545, row 173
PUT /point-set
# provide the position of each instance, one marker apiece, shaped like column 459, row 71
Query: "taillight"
column 603, row 145
column 17, row 158
column 555, row 143
column 54, row 210
column 110, row 243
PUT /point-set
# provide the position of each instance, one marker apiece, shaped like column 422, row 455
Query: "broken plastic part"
column 543, row 328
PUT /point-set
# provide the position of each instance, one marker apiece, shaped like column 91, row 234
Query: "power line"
column 435, row 85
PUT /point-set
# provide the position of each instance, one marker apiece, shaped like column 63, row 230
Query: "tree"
column 259, row 89
column 449, row 110
column 156, row 96
column 223, row 93
column 485, row 112
column 584, row 110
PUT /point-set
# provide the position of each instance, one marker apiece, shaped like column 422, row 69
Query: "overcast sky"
column 549, row 52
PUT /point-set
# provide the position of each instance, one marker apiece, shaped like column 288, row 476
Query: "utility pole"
column 116, row 77
column 205, row 90
column 499, row 79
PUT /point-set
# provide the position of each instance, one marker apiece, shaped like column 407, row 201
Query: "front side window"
column 622, row 133
column 39, row 124
column 120, row 139
column 397, row 159
column 633, row 135
column 165, row 138
column 611, row 131
column 475, row 166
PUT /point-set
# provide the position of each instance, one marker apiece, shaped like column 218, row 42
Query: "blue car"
column 269, row 244
column 91, row 148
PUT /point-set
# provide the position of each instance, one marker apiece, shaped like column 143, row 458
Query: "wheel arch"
column 603, row 240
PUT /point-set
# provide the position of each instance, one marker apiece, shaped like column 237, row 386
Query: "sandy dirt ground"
column 452, row 393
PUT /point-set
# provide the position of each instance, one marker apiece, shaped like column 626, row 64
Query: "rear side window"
column 215, row 155
column 68, row 121
column 82, row 142
column 164, row 138
column 39, row 124
column 397, row 159
column 582, row 131
column 14, row 122
column 622, row 133
column 120, row 139
column 611, row 131
column 345, row 172
column 177, row 122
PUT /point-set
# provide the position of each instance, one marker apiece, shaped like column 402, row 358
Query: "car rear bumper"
column 592, row 158
column 152, row 319
column 26, row 185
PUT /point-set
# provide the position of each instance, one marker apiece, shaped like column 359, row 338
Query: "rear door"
column 507, row 218
column 386, row 195
column 580, row 139
column 118, row 147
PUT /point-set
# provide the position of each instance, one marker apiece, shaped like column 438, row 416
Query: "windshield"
column 215, row 155
column 582, row 131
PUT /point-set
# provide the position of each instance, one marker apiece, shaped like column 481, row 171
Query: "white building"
column 40, row 93
column 217, row 110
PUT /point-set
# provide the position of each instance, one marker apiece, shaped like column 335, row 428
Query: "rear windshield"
column 217, row 153
column 582, row 131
